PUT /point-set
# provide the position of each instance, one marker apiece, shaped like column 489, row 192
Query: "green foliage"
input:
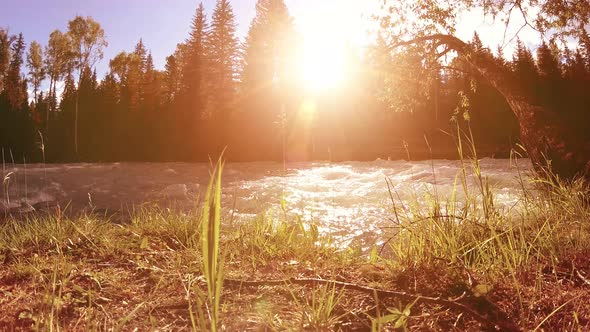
column 87, row 41
column 214, row 92
column 208, row 312
column 482, row 246
column 398, row 316
column 58, row 55
column 5, row 41
column 320, row 313
column 35, row 64
column 552, row 17
column 223, row 52
column 14, row 87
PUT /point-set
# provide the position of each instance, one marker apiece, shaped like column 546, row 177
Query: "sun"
column 330, row 30
column 324, row 65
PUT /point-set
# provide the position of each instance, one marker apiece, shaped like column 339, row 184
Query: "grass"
column 163, row 270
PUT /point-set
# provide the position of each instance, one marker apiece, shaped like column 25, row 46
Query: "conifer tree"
column 476, row 42
column 223, row 53
column 136, row 63
column 194, row 71
column 6, row 41
column 548, row 63
column 173, row 75
column 127, row 67
column 378, row 59
column 267, row 50
column 16, row 126
column 550, row 85
column 14, row 85
column 61, row 134
column 575, row 67
column 151, row 85
column 142, row 53
column 525, row 69
column 223, row 57
column 267, row 78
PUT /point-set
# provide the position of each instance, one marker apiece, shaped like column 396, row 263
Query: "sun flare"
column 328, row 35
column 324, row 65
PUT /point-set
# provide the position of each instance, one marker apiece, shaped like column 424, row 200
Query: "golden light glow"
column 329, row 28
column 324, row 65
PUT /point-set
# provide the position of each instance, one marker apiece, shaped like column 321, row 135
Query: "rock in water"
column 175, row 191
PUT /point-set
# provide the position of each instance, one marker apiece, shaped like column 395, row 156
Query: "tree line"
column 217, row 92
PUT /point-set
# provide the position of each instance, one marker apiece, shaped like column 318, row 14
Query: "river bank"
column 451, row 264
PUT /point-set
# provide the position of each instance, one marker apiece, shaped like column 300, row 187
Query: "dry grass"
column 527, row 270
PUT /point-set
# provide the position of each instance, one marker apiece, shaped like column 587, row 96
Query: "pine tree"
column 223, row 57
column 550, row 84
column 89, row 115
column 267, row 78
column 110, row 90
column 575, row 67
column 267, row 48
column 61, row 134
column 476, row 42
column 194, row 70
column 6, row 41
column 141, row 52
column 379, row 61
column 525, row 69
column 127, row 66
column 136, row 63
column 14, row 85
column 69, row 91
column 151, row 86
column 548, row 63
column 111, row 126
column 17, row 130
column 575, row 96
column 173, row 76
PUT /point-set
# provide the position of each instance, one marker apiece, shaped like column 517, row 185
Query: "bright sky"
column 161, row 23
column 493, row 34
column 164, row 23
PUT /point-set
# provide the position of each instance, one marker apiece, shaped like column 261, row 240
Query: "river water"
column 343, row 198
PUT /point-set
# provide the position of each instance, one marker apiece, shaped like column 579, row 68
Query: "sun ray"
column 329, row 29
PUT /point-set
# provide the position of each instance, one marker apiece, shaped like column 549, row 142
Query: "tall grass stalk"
column 474, row 235
column 208, row 315
column 320, row 313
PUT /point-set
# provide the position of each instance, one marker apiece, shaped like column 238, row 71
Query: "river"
column 343, row 198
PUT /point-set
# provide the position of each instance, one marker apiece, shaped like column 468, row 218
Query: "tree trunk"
column 76, row 124
column 76, row 113
column 553, row 148
column 49, row 106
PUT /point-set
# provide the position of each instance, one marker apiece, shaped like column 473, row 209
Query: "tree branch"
column 452, row 303
column 452, row 42
column 504, row 325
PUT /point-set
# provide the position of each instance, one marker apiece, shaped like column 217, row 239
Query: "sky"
column 162, row 24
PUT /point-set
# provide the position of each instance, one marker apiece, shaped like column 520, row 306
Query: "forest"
column 157, row 214
column 219, row 91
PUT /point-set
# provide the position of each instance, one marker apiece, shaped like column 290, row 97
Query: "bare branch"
column 452, row 42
